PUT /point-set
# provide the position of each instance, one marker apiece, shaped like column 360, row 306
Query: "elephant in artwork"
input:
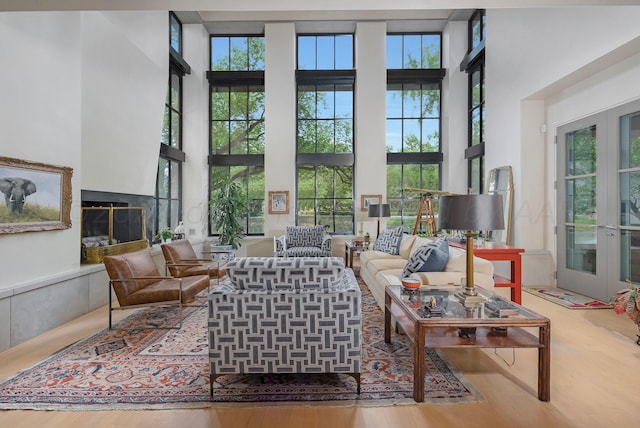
column 15, row 192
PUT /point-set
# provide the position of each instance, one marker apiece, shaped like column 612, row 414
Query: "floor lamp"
column 379, row 211
column 470, row 212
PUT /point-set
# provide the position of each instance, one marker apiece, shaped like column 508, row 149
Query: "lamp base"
column 470, row 298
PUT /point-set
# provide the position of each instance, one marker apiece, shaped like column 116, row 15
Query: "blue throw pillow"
column 432, row 257
column 389, row 240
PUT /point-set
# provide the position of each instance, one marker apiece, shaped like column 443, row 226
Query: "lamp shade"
column 379, row 210
column 470, row 212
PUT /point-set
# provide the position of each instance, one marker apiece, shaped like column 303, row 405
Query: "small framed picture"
column 279, row 202
column 366, row 200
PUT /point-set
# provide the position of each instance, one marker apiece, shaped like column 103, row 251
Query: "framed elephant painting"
column 36, row 196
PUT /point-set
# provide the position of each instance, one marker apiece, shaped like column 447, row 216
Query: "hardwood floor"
column 594, row 383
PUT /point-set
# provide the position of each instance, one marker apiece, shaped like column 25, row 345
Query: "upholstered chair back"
column 176, row 251
column 304, row 236
column 129, row 265
column 267, row 273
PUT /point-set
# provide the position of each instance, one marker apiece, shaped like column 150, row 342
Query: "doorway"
column 598, row 191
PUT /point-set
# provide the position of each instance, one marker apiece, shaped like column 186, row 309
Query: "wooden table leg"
column 346, row 255
column 418, row 364
column 544, row 364
column 387, row 318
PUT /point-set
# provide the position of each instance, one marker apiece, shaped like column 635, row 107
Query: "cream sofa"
column 379, row 269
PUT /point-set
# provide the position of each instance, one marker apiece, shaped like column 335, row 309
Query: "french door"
column 598, row 192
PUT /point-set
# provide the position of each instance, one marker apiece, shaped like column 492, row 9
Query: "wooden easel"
column 426, row 214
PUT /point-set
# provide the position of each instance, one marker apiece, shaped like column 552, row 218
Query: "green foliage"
column 30, row 214
column 227, row 212
column 164, row 234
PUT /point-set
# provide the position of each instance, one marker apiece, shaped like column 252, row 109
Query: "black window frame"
column 335, row 160
column 174, row 157
column 229, row 79
column 422, row 76
column 474, row 62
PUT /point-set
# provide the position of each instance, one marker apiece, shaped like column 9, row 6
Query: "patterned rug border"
column 393, row 397
column 539, row 292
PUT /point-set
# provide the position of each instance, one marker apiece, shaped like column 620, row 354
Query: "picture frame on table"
column 279, row 202
column 366, row 200
column 37, row 196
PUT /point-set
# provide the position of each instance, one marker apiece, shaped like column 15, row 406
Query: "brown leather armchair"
column 137, row 282
column 181, row 261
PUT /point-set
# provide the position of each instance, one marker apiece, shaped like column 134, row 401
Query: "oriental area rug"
column 566, row 298
column 164, row 369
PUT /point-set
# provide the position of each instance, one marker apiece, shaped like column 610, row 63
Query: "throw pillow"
column 389, row 241
column 432, row 257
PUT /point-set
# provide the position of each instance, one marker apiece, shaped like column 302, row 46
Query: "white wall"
column 529, row 50
column 195, row 171
column 280, row 121
column 454, row 108
column 124, row 79
column 40, row 110
column 83, row 90
column 370, row 177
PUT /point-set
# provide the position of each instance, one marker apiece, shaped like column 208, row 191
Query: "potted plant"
column 627, row 302
column 164, row 234
column 227, row 210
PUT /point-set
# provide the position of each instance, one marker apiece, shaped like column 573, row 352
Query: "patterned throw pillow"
column 432, row 257
column 389, row 241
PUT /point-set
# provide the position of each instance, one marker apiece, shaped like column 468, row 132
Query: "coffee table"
column 487, row 328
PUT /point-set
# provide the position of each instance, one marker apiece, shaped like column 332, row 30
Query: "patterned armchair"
column 303, row 241
column 285, row 315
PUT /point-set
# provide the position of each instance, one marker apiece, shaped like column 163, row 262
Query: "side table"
column 495, row 251
column 350, row 247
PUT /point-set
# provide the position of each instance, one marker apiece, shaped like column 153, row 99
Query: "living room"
column 86, row 90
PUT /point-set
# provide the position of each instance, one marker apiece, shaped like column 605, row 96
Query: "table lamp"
column 470, row 212
column 379, row 211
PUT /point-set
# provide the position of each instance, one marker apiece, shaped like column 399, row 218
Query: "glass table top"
column 442, row 302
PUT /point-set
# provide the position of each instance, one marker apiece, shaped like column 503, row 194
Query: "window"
column 236, row 148
column 473, row 64
column 414, row 153
column 175, row 33
column 168, row 198
column 325, row 121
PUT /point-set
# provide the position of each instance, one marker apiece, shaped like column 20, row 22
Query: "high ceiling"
column 244, row 15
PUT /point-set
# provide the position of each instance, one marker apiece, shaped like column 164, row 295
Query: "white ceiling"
column 248, row 16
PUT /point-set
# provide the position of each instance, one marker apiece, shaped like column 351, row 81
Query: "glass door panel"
column 629, row 178
column 581, row 198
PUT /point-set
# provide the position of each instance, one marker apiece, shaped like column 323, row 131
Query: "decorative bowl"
column 411, row 283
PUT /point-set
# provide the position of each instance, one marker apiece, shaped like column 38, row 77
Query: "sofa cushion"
column 432, row 257
column 266, row 273
column 389, row 240
column 406, row 244
column 382, row 264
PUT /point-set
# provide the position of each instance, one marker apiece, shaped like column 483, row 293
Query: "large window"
column 473, row 64
column 168, row 198
column 236, row 148
column 325, row 79
column 414, row 153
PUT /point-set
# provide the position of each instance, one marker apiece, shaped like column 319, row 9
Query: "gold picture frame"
column 366, row 200
column 279, row 202
column 37, row 196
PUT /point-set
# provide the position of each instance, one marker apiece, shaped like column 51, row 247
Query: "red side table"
column 500, row 252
